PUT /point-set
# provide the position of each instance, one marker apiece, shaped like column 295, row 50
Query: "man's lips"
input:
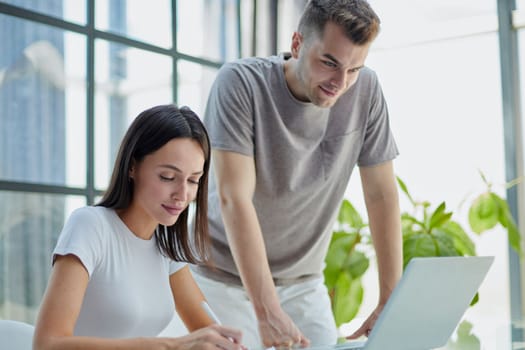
column 328, row 92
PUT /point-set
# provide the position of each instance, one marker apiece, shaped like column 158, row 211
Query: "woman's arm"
column 188, row 298
column 61, row 306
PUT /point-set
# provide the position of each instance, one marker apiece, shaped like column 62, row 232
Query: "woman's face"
column 166, row 181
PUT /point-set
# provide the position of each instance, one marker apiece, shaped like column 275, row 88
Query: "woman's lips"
column 173, row 210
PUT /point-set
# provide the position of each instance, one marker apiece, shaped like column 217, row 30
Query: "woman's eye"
column 166, row 178
column 193, row 182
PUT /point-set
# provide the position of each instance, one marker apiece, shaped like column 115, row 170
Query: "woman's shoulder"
column 88, row 227
column 92, row 216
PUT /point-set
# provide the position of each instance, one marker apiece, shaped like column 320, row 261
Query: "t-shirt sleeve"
column 379, row 144
column 176, row 266
column 82, row 237
column 228, row 115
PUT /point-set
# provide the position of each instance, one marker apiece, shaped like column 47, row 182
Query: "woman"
column 119, row 268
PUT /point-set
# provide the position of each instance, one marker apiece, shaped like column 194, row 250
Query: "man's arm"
column 236, row 179
column 384, row 217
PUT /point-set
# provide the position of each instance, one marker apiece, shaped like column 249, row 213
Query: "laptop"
column 426, row 305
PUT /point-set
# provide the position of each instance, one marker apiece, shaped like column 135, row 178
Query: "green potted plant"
column 346, row 262
column 427, row 232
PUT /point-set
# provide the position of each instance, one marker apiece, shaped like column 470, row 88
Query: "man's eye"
column 329, row 64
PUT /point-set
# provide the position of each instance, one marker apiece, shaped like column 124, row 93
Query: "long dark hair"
column 151, row 130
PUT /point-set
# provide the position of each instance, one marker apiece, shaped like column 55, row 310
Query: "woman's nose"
column 180, row 191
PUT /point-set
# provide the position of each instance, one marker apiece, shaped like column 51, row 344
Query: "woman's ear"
column 131, row 171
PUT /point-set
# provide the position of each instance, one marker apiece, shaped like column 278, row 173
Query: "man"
column 286, row 133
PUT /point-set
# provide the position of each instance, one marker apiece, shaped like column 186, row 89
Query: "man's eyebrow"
column 331, row 58
column 355, row 69
column 173, row 167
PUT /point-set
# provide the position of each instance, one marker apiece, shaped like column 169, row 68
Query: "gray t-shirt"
column 304, row 156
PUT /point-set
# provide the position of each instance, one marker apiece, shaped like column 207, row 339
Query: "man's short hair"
column 358, row 19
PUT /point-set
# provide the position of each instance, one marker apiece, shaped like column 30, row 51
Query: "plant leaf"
column 408, row 222
column 462, row 241
column 404, row 188
column 484, row 213
column 356, row 264
column 420, row 244
column 514, row 239
column 445, row 244
column 439, row 217
column 347, row 299
column 466, row 340
column 349, row 216
column 475, row 300
column 507, row 220
column 340, row 248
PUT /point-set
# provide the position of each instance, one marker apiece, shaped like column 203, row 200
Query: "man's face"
column 326, row 67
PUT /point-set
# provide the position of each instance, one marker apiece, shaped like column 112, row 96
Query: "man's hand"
column 278, row 330
column 369, row 323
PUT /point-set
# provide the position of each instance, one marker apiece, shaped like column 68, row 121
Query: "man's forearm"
column 388, row 245
column 249, row 252
column 385, row 226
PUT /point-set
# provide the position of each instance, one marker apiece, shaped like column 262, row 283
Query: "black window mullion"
column 90, row 98
column 174, row 78
column 512, row 128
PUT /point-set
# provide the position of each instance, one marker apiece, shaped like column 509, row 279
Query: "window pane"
column 29, row 227
column 247, row 9
column 148, row 21
column 521, row 48
column 194, row 81
column 289, row 11
column 448, row 126
column 128, row 80
column 69, row 10
column 207, row 29
column 412, row 21
column 42, row 104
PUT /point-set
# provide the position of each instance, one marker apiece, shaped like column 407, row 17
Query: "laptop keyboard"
column 353, row 345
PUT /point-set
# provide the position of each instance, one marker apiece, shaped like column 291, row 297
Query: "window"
column 439, row 66
column 69, row 87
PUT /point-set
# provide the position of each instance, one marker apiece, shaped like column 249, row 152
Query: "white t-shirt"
column 128, row 294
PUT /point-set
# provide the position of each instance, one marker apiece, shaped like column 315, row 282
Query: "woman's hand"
column 211, row 337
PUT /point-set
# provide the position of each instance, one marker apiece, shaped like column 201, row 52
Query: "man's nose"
column 338, row 79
